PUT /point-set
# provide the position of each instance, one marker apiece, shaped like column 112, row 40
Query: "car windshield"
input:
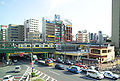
column 17, row 67
column 50, row 61
column 5, row 78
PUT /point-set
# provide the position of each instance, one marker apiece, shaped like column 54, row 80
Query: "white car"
column 17, row 69
column 95, row 74
column 109, row 74
column 8, row 78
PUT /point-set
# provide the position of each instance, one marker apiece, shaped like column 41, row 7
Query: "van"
column 95, row 74
column 17, row 69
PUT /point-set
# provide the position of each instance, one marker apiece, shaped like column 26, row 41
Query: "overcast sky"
column 92, row 15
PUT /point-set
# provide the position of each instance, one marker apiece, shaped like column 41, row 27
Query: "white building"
column 31, row 25
column 82, row 36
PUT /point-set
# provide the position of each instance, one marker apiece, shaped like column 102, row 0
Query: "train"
column 38, row 45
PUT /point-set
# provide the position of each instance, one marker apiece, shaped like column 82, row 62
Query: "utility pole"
column 32, row 62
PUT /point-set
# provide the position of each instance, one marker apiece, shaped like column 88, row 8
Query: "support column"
column 47, row 54
column 7, row 56
column 54, row 55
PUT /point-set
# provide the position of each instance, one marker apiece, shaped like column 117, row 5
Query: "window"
column 96, row 51
column 109, row 51
column 104, row 51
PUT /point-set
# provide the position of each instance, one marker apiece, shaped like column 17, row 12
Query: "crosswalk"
column 43, row 76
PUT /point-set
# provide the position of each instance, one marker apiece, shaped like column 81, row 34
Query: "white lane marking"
column 25, row 72
column 54, row 72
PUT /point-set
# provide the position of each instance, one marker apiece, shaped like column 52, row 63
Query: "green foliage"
column 33, row 74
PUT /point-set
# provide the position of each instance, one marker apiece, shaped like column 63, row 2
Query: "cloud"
column 2, row 3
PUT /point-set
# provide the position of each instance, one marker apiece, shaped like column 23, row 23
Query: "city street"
column 10, row 70
column 59, row 75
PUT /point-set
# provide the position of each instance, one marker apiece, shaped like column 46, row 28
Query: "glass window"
column 104, row 51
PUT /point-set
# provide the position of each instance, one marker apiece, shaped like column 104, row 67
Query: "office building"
column 82, row 36
column 15, row 32
column 100, row 37
column 67, row 30
column 48, row 30
column 116, row 23
column 31, row 25
column 3, row 32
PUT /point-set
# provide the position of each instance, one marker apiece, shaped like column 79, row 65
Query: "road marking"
column 54, row 72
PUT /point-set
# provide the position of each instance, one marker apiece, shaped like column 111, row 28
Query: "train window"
column 28, row 45
column 36, row 45
column 45, row 45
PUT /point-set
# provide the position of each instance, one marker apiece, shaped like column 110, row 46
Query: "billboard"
column 57, row 17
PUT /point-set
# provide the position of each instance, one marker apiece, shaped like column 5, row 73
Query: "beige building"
column 82, row 36
column 34, row 36
column 116, row 23
column 102, row 53
column 15, row 32
column 48, row 30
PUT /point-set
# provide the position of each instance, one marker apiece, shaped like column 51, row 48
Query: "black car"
column 60, row 60
column 58, row 66
column 68, row 62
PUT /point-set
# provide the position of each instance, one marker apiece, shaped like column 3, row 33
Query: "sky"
column 90, row 15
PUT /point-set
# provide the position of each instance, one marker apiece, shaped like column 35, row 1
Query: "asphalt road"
column 59, row 75
column 64, row 75
column 9, row 70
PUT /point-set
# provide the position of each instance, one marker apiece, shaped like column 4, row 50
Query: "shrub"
column 33, row 74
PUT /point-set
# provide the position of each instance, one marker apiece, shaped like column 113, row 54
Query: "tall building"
column 48, row 30
column 3, row 33
column 100, row 37
column 82, row 36
column 59, row 29
column 34, row 36
column 31, row 25
column 15, row 32
column 116, row 23
column 67, row 30
column 93, row 37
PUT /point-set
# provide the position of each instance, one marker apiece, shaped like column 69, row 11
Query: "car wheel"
column 114, row 78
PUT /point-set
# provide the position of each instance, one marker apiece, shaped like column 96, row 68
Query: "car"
column 15, row 60
column 68, row 62
column 95, row 74
column 17, row 69
column 59, row 66
column 93, row 68
column 109, row 74
column 60, row 61
column 8, row 78
column 53, row 59
column 74, row 69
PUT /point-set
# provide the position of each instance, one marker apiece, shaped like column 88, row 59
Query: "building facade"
column 100, row 37
column 116, row 23
column 15, row 32
column 82, row 36
column 30, row 25
column 34, row 36
column 48, row 30
column 3, row 33
column 102, row 53
column 67, row 30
